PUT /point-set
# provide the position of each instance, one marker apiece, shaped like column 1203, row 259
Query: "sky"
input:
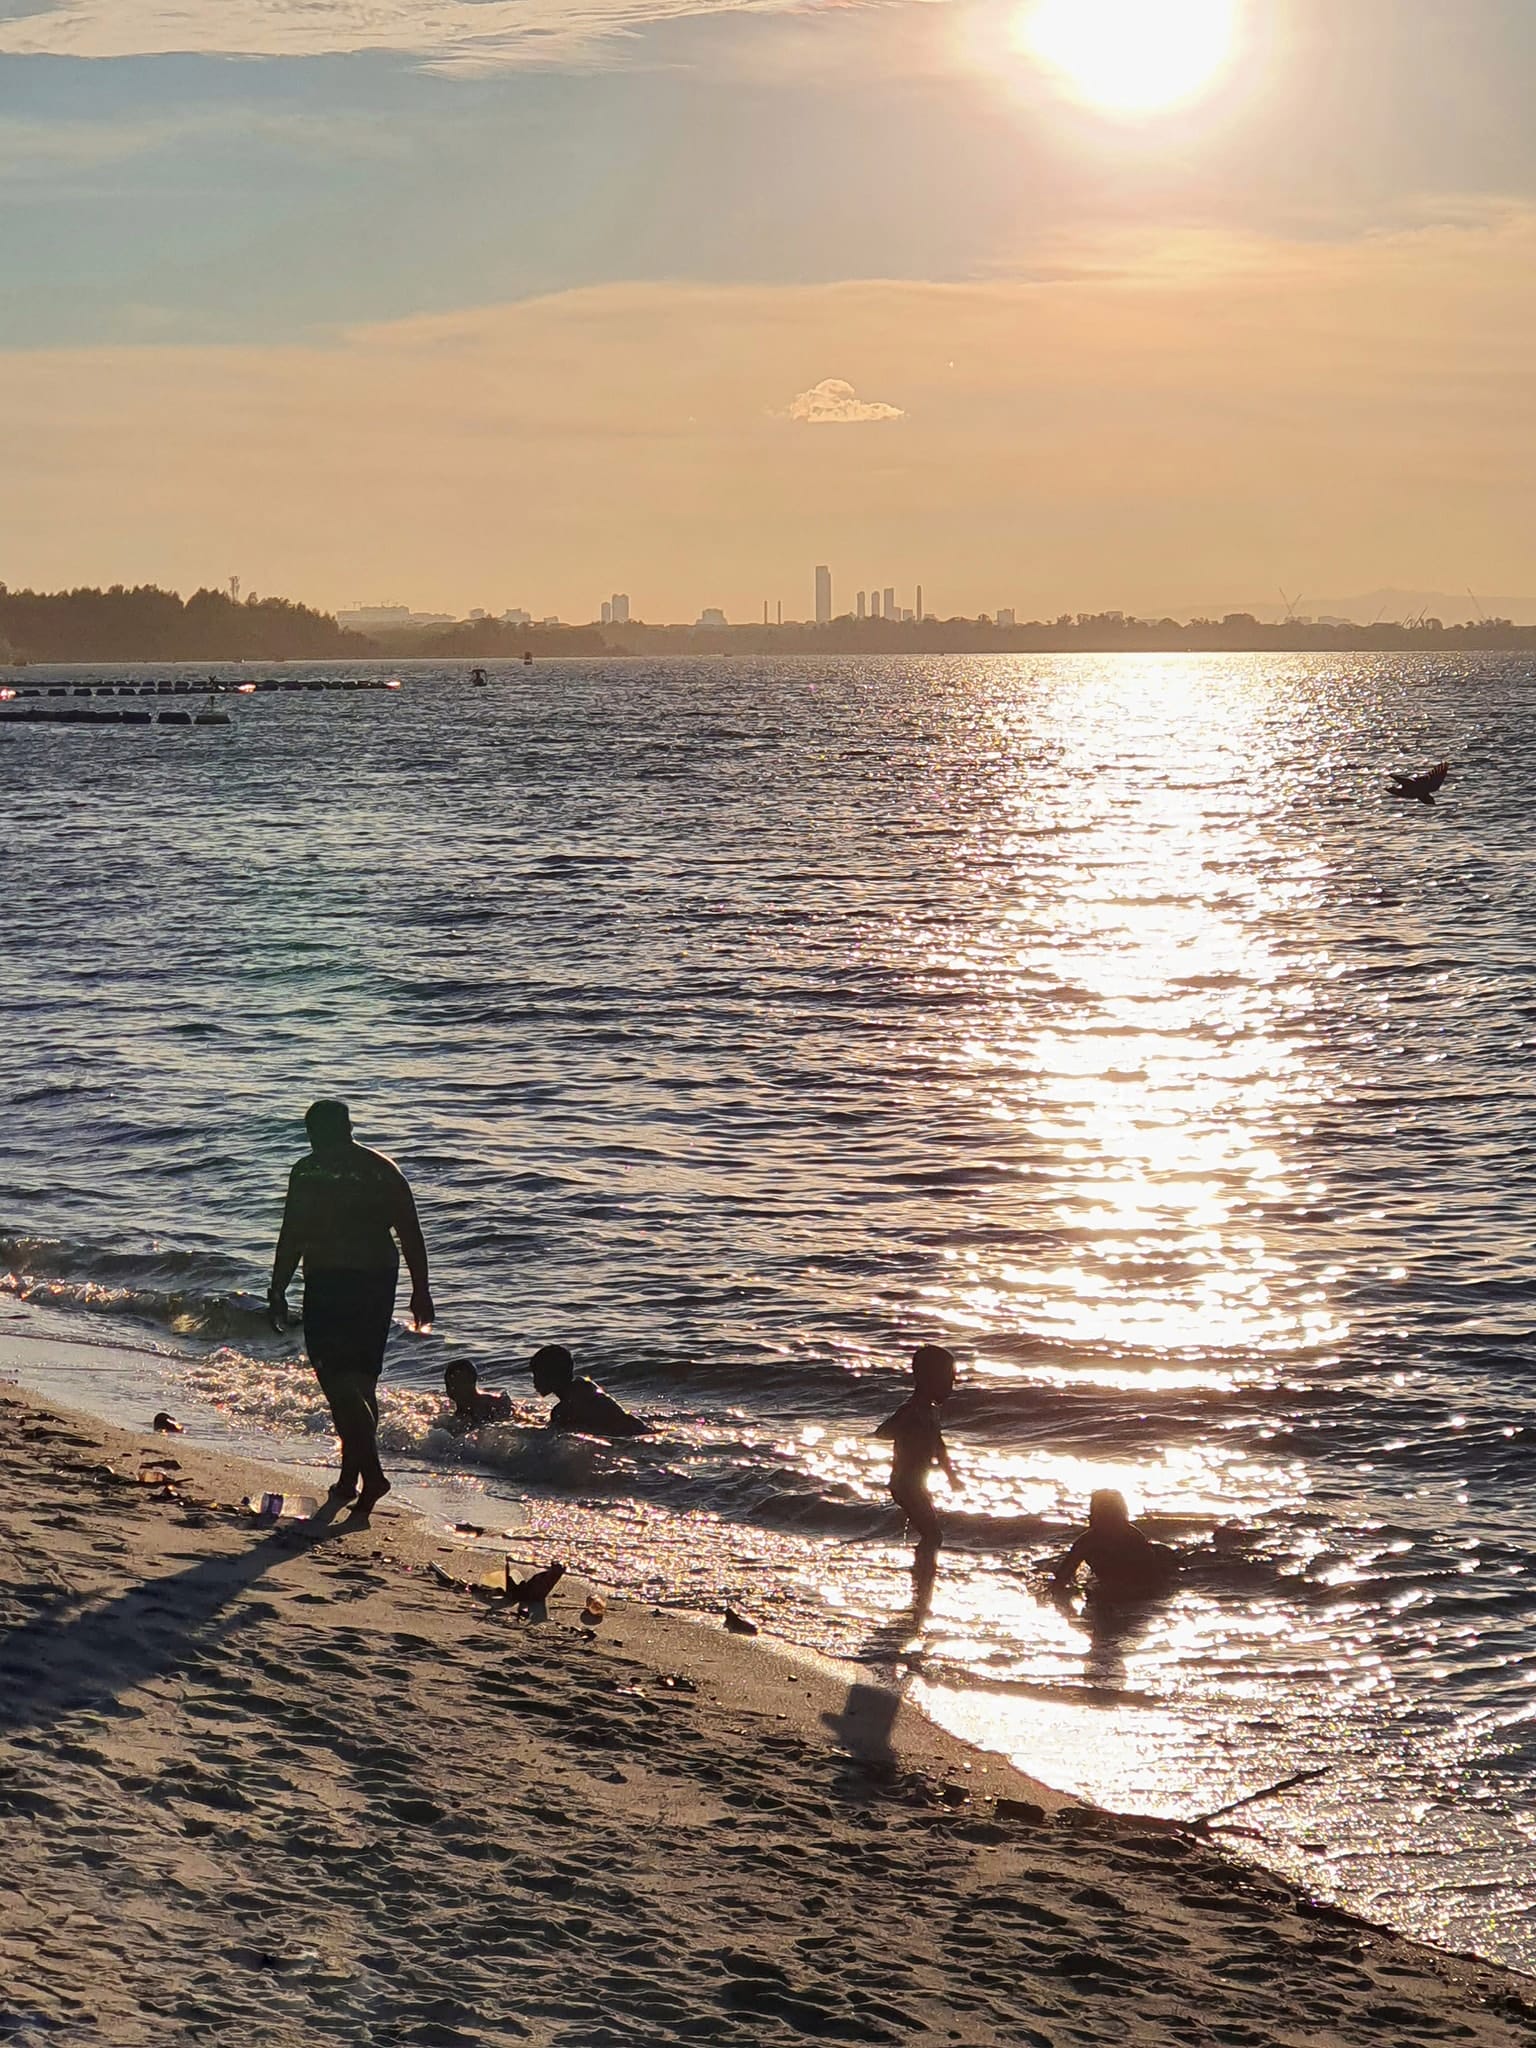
column 1060, row 304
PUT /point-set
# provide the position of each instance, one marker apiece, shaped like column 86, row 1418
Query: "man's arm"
column 413, row 1248
column 290, row 1249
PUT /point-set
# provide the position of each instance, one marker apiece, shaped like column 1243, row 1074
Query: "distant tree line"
column 489, row 640
column 149, row 624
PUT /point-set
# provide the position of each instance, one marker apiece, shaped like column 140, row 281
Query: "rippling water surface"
column 743, row 1024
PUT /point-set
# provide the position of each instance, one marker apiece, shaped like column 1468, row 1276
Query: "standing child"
column 918, row 1442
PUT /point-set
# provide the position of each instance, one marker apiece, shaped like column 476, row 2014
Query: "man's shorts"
column 347, row 1320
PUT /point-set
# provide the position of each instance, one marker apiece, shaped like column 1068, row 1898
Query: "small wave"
column 178, row 1292
column 57, row 1091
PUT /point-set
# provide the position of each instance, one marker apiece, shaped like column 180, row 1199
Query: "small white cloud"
column 834, row 403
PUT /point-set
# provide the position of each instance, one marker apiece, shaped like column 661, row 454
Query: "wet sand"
column 306, row 1783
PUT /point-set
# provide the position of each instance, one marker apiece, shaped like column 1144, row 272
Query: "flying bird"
column 1422, row 786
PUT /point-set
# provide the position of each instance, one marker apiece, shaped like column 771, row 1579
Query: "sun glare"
column 1132, row 56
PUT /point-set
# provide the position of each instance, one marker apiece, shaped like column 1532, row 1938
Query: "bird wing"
column 1436, row 775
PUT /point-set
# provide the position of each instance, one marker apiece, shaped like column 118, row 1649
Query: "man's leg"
column 346, row 1326
column 353, row 1401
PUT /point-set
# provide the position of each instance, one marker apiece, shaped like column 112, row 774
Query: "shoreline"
column 291, row 1778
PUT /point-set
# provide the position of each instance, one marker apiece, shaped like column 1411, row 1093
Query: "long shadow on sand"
column 865, row 1727
column 83, row 1660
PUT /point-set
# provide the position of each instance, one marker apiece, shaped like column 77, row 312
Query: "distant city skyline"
column 1365, row 608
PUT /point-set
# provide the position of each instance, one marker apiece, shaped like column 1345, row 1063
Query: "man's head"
column 1107, row 1509
column 329, row 1125
column 933, row 1368
column 553, row 1369
column 460, row 1382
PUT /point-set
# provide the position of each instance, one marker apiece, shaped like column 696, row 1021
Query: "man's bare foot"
column 368, row 1500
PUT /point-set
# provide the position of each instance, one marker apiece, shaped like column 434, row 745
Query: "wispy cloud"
column 441, row 34
column 834, row 403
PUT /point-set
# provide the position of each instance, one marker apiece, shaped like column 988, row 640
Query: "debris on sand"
column 530, row 1594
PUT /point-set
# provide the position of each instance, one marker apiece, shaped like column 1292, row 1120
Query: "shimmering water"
column 742, row 1024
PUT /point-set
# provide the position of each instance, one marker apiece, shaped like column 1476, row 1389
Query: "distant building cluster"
column 871, row 604
column 389, row 618
column 399, row 618
column 616, row 609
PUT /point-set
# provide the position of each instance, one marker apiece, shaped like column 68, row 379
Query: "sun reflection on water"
column 1138, row 1038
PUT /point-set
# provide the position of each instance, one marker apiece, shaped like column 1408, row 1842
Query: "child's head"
column 460, row 1381
column 553, row 1369
column 933, row 1368
column 1107, row 1509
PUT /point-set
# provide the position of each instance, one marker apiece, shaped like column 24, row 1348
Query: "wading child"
column 917, row 1442
column 1125, row 1563
column 472, row 1407
column 580, row 1405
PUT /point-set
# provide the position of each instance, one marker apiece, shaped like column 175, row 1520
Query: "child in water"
column 472, row 1409
column 581, row 1405
column 918, row 1442
column 1126, row 1565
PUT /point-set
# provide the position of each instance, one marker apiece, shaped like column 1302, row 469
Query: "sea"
column 742, row 1024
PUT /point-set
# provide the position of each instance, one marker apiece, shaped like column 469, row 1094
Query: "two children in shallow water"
column 1124, row 1562
column 580, row 1405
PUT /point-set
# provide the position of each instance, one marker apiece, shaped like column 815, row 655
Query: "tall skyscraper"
column 607, row 612
column 859, row 605
column 621, row 607
column 919, row 604
column 823, row 595
column 874, row 604
column 889, row 607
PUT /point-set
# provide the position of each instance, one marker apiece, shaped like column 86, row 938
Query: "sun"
column 1132, row 56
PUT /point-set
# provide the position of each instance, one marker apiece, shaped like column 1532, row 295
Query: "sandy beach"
column 303, row 1782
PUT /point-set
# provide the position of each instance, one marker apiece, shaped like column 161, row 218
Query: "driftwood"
column 1251, row 1798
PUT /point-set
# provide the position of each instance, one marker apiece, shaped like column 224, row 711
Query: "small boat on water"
column 477, row 677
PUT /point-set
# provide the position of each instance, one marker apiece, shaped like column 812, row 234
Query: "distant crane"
column 1290, row 604
column 1482, row 616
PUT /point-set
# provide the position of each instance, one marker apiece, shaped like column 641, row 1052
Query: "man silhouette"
column 346, row 1208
